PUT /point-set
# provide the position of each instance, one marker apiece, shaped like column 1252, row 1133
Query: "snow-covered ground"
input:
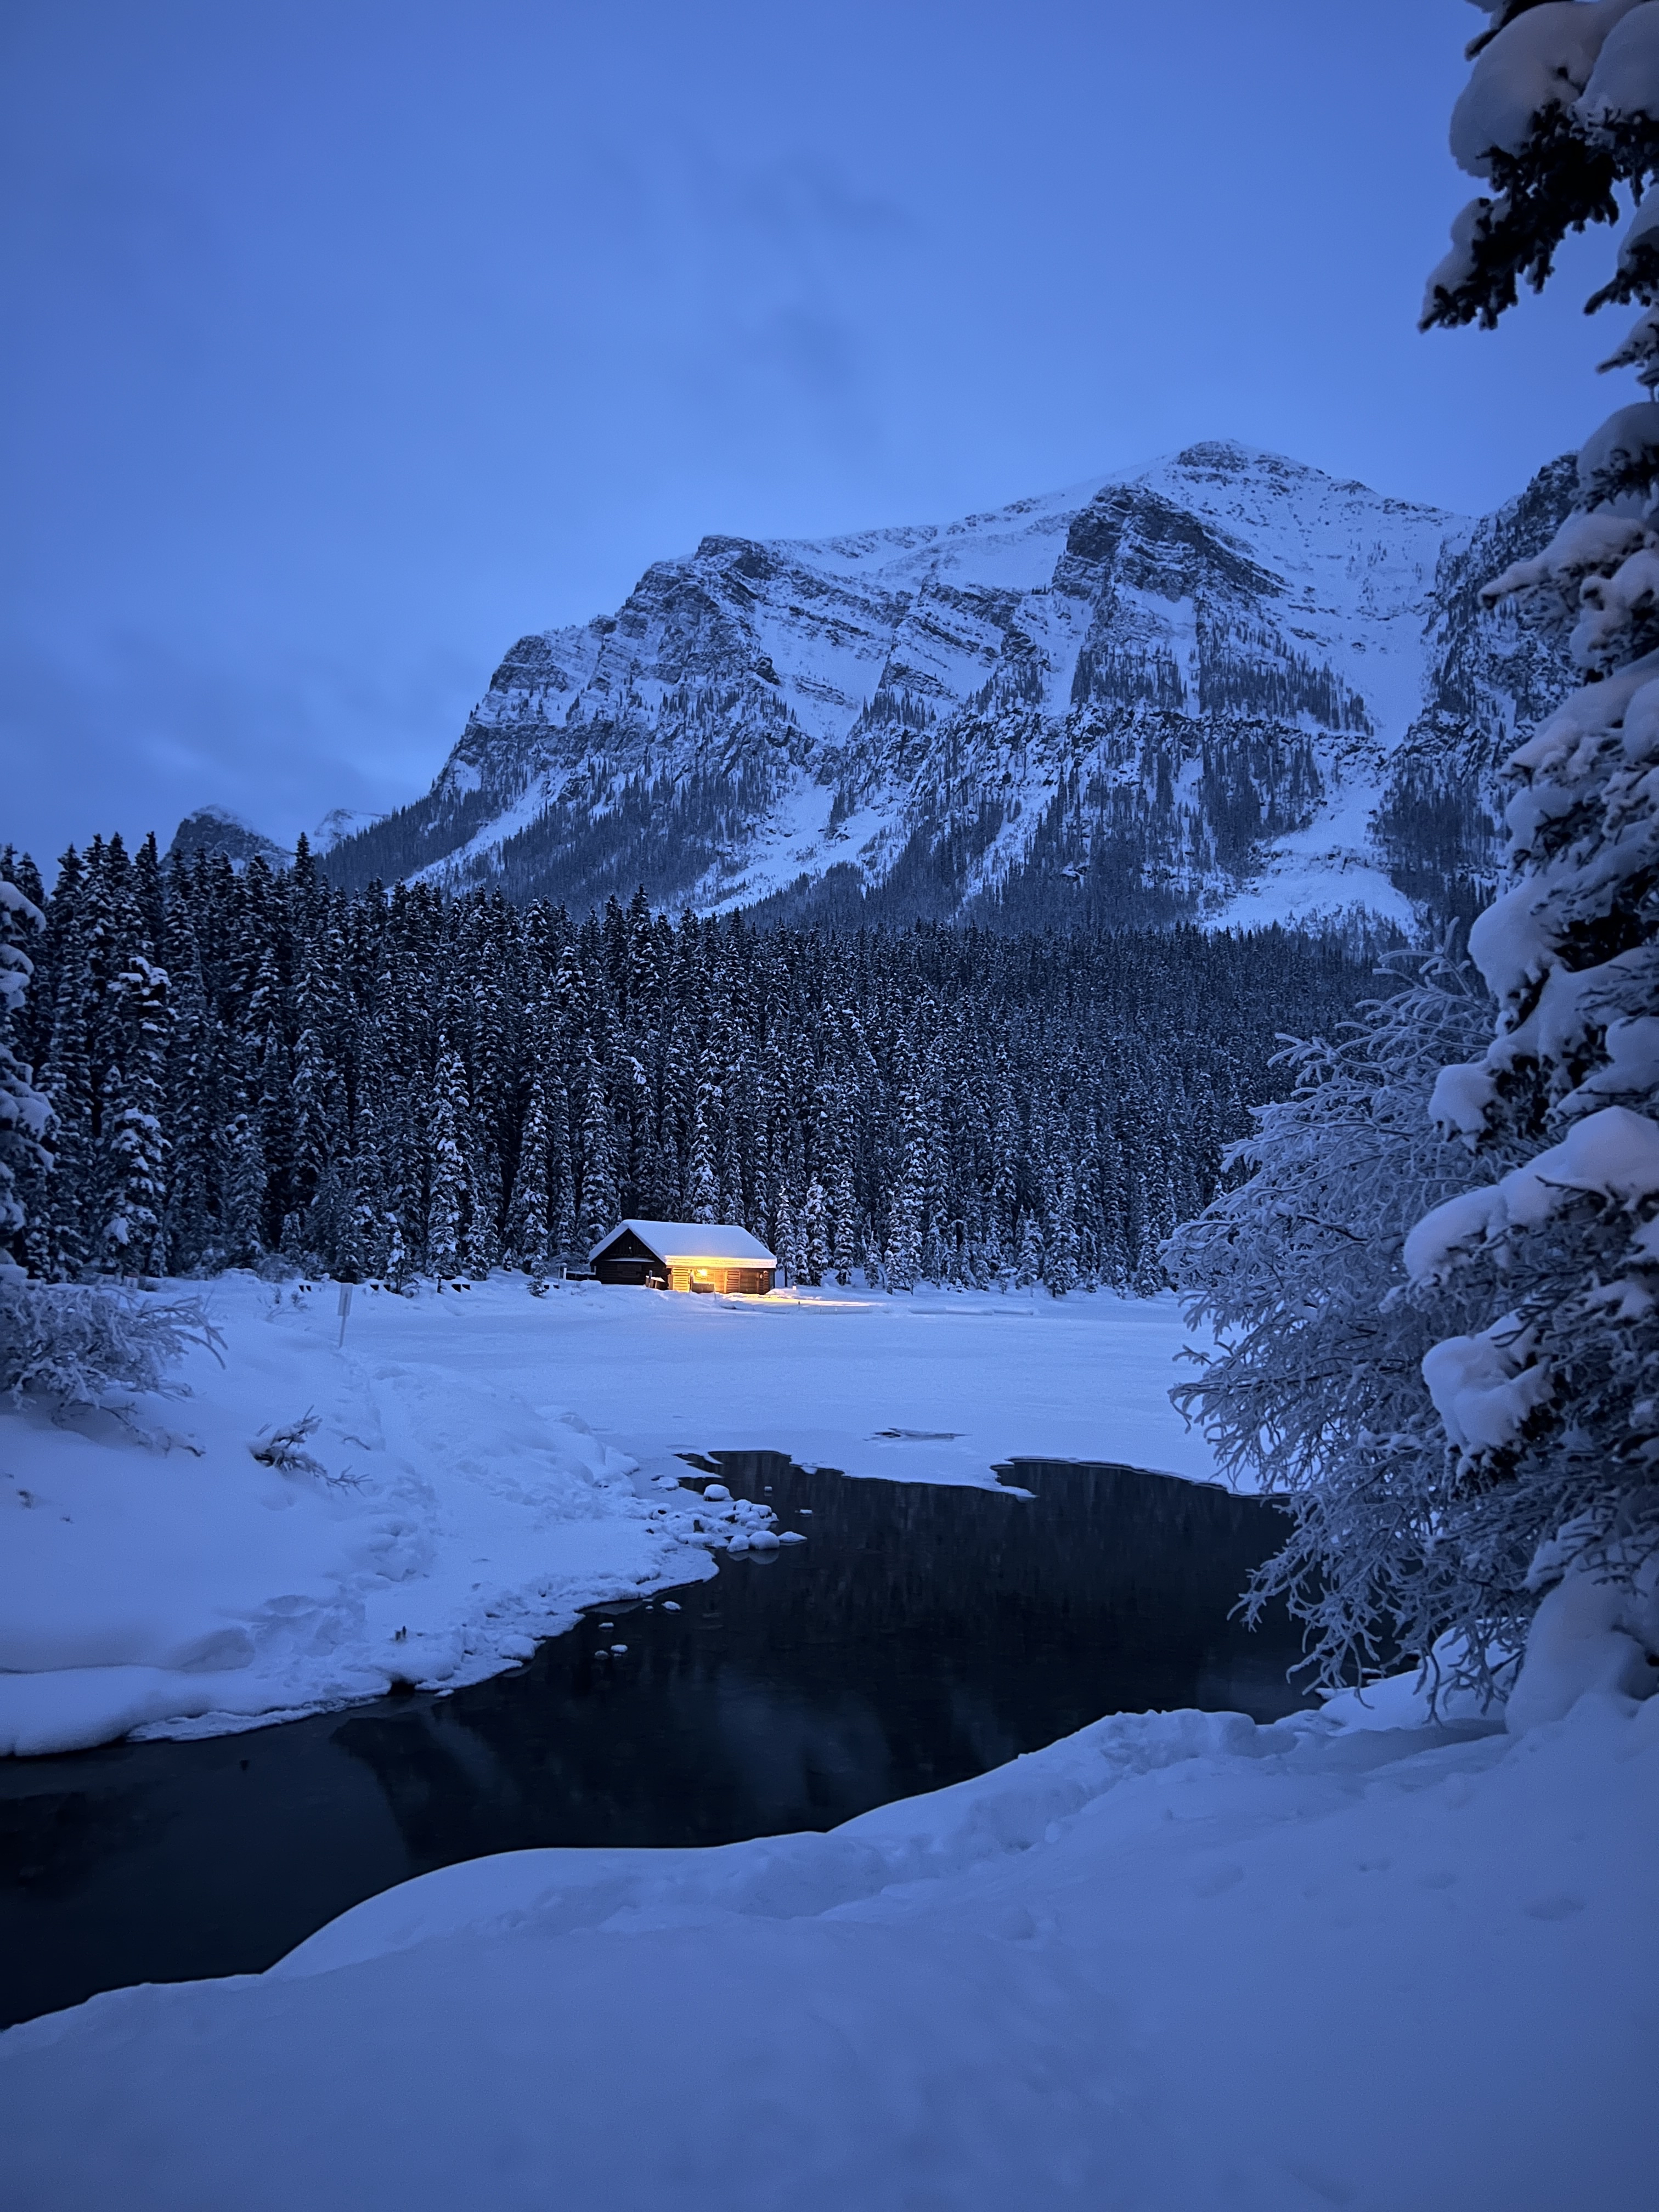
column 1176, row 1963
column 492, row 1461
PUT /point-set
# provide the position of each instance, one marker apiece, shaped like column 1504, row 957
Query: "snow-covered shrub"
column 284, row 1448
column 1317, row 1389
column 76, row 1346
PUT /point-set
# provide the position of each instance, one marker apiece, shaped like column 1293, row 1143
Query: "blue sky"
column 349, row 341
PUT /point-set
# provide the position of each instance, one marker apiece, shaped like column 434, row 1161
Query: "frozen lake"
column 923, row 1633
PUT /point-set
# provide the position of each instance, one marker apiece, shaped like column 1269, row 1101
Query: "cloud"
column 133, row 736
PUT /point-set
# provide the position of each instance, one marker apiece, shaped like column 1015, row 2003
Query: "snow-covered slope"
column 1174, row 1963
column 1181, row 692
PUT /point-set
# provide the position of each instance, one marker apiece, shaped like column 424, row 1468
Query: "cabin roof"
column 677, row 1243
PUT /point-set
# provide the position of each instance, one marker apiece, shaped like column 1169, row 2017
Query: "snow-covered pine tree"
column 1005, row 1164
column 786, row 1242
column 838, row 1140
column 702, row 1164
column 244, row 1173
column 481, row 1246
column 395, row 1264
column 814, row 1230
column 448, row 1200
column 370, row 1226
column 1060, row 1241
column 133, row 1185
column 560, row 1176
column 528, row 1225
column 25, row 1113
column 70, row 1345
column 1551, row 1405
column 733, row 1202
column 272, row 1093
column 191, row 1108
column 597, row 1209
column 845, row 1247
column 909, row 1220
column 1450, row 1364
column 57, row 1238
column 1028, row 1263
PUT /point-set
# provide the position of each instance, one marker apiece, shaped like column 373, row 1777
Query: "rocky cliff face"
column 1226, row 687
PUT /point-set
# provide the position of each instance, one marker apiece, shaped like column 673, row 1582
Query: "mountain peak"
column 213, row 829
column 1179, row 687
column 1226, row 454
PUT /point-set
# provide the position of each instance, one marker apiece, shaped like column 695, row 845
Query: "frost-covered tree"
column 1317, row 1389
column 1479, row 1419
column 1060, row 1242
column 192, row 1108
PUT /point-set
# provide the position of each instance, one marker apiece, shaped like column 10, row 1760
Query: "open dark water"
column 922, row 1635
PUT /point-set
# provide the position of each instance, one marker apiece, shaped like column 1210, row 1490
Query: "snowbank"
column 1174, row 1962
column 1614, row 1153
column 465, row 1511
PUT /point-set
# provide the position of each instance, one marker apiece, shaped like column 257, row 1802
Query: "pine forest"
column 252, row 1069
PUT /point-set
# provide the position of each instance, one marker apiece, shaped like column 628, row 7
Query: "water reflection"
column 919, row 1636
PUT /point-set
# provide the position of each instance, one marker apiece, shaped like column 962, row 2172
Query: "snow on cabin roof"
column 677, row 1242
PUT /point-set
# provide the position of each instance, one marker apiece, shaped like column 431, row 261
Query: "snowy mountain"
column 341, row 822
column 1227, row 686
column 215, row 830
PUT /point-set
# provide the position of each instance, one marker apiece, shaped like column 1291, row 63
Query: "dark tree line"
column 252, row 1068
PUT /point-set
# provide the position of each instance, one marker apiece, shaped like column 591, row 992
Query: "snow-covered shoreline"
column 493, row 1463
column 1174, row 1962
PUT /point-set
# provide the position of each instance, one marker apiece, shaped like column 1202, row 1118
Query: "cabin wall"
column 753, row 1282
column 627, row 1259
column 638, row 1273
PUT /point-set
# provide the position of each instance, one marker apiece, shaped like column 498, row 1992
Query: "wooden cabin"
column 684, row 1255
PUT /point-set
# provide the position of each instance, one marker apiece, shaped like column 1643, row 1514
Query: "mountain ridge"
column 1186, row 691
